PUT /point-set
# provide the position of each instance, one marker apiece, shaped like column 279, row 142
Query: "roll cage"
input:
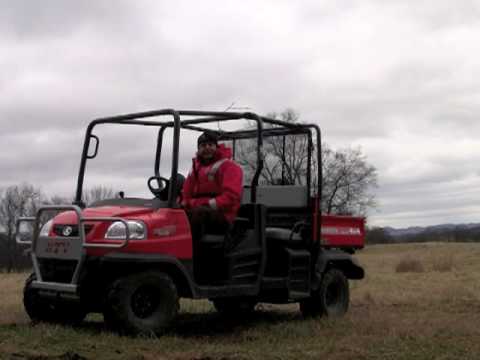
column 194, row 121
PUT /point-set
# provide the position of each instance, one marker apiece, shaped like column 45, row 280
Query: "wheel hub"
column 144, row 302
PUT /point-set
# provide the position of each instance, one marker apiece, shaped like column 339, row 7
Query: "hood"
column 69, row 217
column 222, row 152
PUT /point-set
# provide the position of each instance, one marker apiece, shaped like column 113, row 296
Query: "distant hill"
column 416, row 230
column 444, row 232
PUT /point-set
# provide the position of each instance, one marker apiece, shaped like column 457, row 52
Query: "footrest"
column 298, row 273
column 243, row 266
column 69, row 288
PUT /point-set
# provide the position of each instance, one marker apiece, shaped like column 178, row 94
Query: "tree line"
column 454, row 233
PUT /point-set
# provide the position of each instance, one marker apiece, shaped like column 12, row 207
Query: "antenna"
column 233, row 107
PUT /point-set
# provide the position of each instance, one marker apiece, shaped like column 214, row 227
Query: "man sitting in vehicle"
column 212, row 192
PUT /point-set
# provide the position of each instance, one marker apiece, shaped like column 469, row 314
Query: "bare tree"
column 97, row 193
column 15, row 201
column 59, row 200
column 348, row 179
column 285, row 157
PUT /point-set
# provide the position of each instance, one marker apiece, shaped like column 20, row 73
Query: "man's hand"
column 199, row 202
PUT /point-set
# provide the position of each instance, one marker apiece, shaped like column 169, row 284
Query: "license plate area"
column 67, row 248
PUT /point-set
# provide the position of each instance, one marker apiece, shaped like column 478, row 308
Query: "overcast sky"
column 400, row 79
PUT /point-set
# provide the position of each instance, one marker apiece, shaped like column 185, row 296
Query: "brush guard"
column 63, row 248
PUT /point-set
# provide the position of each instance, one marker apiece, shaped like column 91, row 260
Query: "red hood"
column 69, row 217
column 222, row 152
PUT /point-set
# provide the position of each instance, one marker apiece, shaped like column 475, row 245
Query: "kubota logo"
column 67, row 231
column 339, row 230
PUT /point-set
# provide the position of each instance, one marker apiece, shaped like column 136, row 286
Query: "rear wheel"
column 331, row 299
column 144, row 303
column 41, row 309
column 235, row 306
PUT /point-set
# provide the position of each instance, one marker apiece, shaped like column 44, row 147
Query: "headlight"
column 116, row 231
column 45, row 230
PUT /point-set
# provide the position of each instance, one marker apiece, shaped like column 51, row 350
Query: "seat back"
column 279, row 196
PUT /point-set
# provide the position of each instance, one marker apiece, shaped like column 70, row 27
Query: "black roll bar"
column 158, row 153
column 260, row 156
column 176, row 147
column 201, row 117
column 119, row 119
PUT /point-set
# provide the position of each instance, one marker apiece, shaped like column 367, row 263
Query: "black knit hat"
column 208, row 137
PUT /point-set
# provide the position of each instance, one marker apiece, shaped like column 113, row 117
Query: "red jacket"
column 218, row 185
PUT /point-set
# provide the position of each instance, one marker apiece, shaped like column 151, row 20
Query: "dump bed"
column 343, row 231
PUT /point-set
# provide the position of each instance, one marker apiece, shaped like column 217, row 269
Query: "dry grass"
column 11, row 310
column 409, row 265
column 443, row 263
column 394, row 315
column 386, row 286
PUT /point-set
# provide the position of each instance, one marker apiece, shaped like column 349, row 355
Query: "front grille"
column 57, row 270
column 58, row 230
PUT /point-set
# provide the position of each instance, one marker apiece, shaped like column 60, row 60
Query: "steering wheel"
column 162, row 184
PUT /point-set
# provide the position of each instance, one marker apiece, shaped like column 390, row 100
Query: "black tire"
column 41, row 309
column 141, row 304
column 331, row 299
column 235, row 306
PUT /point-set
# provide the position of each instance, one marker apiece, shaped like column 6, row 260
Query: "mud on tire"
column 144, row 303
column 331, row 299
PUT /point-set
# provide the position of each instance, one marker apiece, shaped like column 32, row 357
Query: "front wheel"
column 41, row 309
column 331, row 299
column 144, row 303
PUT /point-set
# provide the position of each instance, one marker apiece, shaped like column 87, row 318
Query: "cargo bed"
column 343, row 231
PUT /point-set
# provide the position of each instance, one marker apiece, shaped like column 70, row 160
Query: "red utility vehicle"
column 132, row 258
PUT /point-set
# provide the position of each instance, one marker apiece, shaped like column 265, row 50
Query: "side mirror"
column 95, row 149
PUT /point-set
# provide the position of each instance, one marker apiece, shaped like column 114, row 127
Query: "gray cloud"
column 56, row 19
column 398, row 79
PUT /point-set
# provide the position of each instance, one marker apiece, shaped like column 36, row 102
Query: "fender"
column 341, row 260
column 180, row 271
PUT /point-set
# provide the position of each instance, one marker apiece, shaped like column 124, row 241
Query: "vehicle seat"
column 293, row 238
column 231, row 238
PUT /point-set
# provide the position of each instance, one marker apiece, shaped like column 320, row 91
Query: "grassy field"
column 418, row 301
